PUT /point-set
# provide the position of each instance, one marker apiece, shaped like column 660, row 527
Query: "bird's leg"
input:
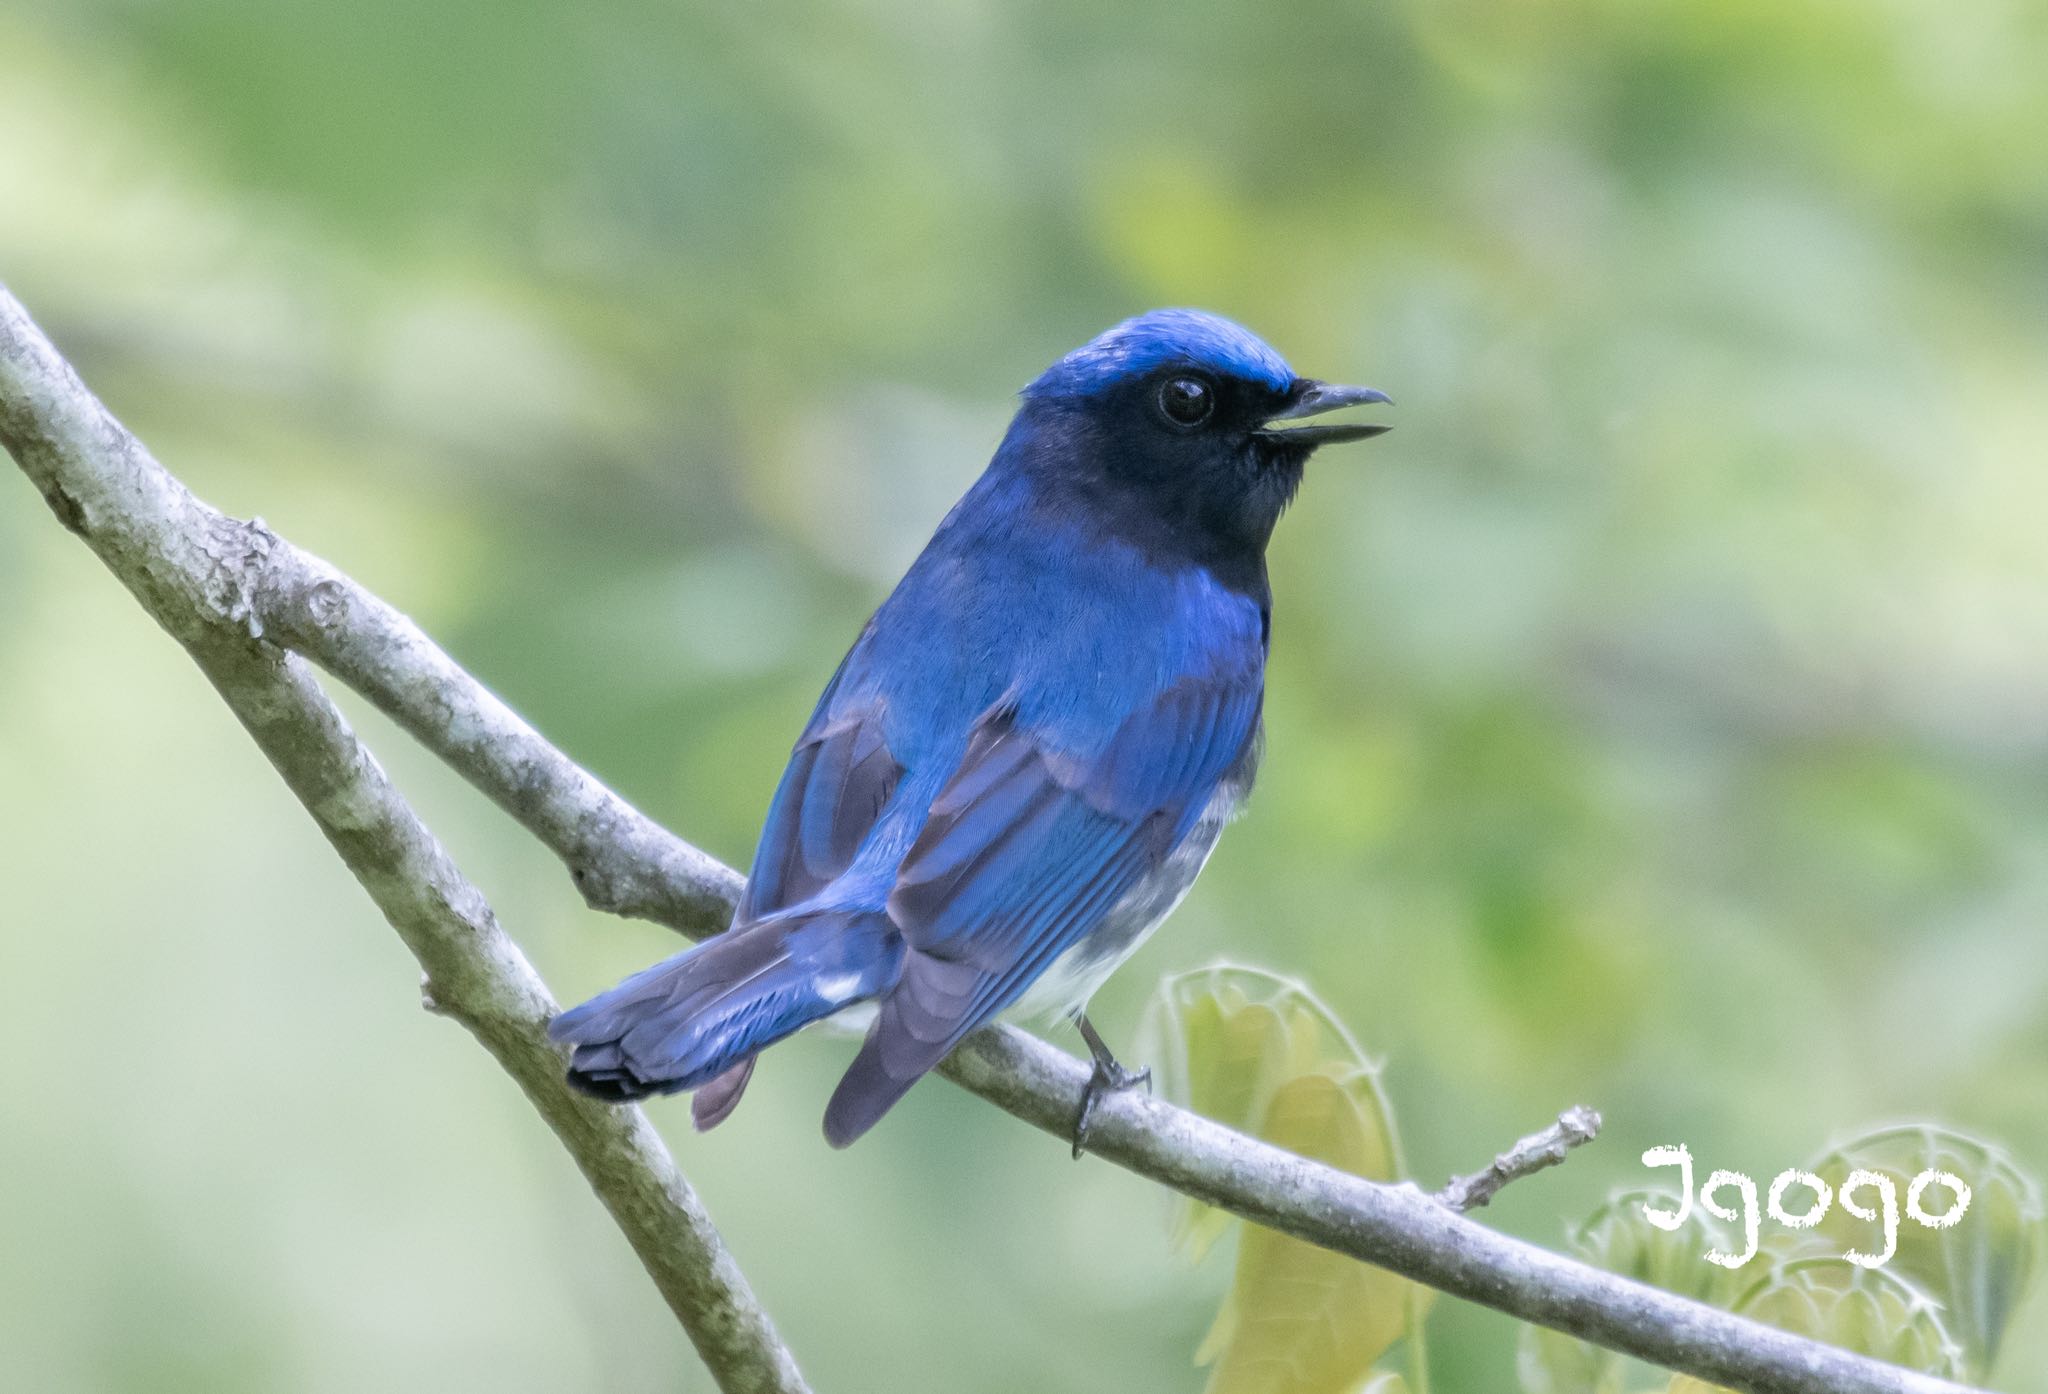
column 1109, row 1076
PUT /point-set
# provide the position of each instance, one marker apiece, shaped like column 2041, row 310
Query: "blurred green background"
column 1658, row 718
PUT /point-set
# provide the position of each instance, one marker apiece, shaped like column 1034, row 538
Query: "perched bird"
column 1030, row 750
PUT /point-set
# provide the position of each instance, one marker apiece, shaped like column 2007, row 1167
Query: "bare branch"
column 1399, row 1227
column 1575, row 1127
column 193, row 569
column 621, row 860
column 250, row 577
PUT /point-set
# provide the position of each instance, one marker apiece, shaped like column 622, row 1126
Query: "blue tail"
column 699, row 1018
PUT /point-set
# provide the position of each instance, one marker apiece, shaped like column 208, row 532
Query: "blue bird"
column 1030, row 750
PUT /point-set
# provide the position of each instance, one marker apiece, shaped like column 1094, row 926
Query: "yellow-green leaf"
column 1551, row 1362
column 1299, row 1319
column 1222, row 1039
column 1618, row 1238
column 1871, row 1310
column 1979, row 1268
column 1939, row 1305
column 1262, row 1054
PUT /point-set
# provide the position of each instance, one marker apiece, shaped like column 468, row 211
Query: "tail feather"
column 714, row 1102
column 920, row 1021
column 697, row 1020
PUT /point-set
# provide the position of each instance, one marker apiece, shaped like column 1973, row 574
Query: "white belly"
column 1073, row 977
column 1066, row 986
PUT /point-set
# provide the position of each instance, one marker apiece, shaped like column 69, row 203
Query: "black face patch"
column 1205, row 491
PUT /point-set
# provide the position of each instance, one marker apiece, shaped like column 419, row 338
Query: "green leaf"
column 1871, row 1310
column 1222, row 1040
column 1299, row 1319
column 1979, row 1268
column 1220, row 1054
column 1617, row 1238
column 1940, row 1305
column 1262, row 1054
column 1551, row 1362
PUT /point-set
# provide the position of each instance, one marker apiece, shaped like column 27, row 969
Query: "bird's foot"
column 1109, row 1077
column 1111, row 1080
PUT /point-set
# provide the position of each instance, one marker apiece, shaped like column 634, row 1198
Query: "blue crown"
column 1153, row 340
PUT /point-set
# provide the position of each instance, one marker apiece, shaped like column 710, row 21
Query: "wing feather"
column 839, row 779
column 1025, row 851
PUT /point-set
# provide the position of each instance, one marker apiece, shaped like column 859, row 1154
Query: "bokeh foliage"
column 1656, row 717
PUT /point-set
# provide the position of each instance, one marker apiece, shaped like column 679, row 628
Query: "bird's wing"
column 1025, row 851
column 840, row 775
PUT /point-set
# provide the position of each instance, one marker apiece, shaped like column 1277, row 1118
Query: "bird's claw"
column 1109, row 1077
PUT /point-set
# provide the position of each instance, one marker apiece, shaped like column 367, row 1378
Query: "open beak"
column 1312, row 398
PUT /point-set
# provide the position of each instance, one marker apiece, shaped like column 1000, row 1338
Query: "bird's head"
column 1178, row 426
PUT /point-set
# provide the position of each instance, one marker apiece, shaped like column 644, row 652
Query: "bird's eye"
column 1186, row 401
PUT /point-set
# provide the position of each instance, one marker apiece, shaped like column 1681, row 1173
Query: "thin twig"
column 1575, row 1127
column 189, row 566
column 262, row 583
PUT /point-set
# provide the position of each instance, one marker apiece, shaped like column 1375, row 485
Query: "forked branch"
column 195, row 571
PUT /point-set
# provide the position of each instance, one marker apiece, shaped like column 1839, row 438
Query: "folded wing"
column 1026, row 850
column 840, row 776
